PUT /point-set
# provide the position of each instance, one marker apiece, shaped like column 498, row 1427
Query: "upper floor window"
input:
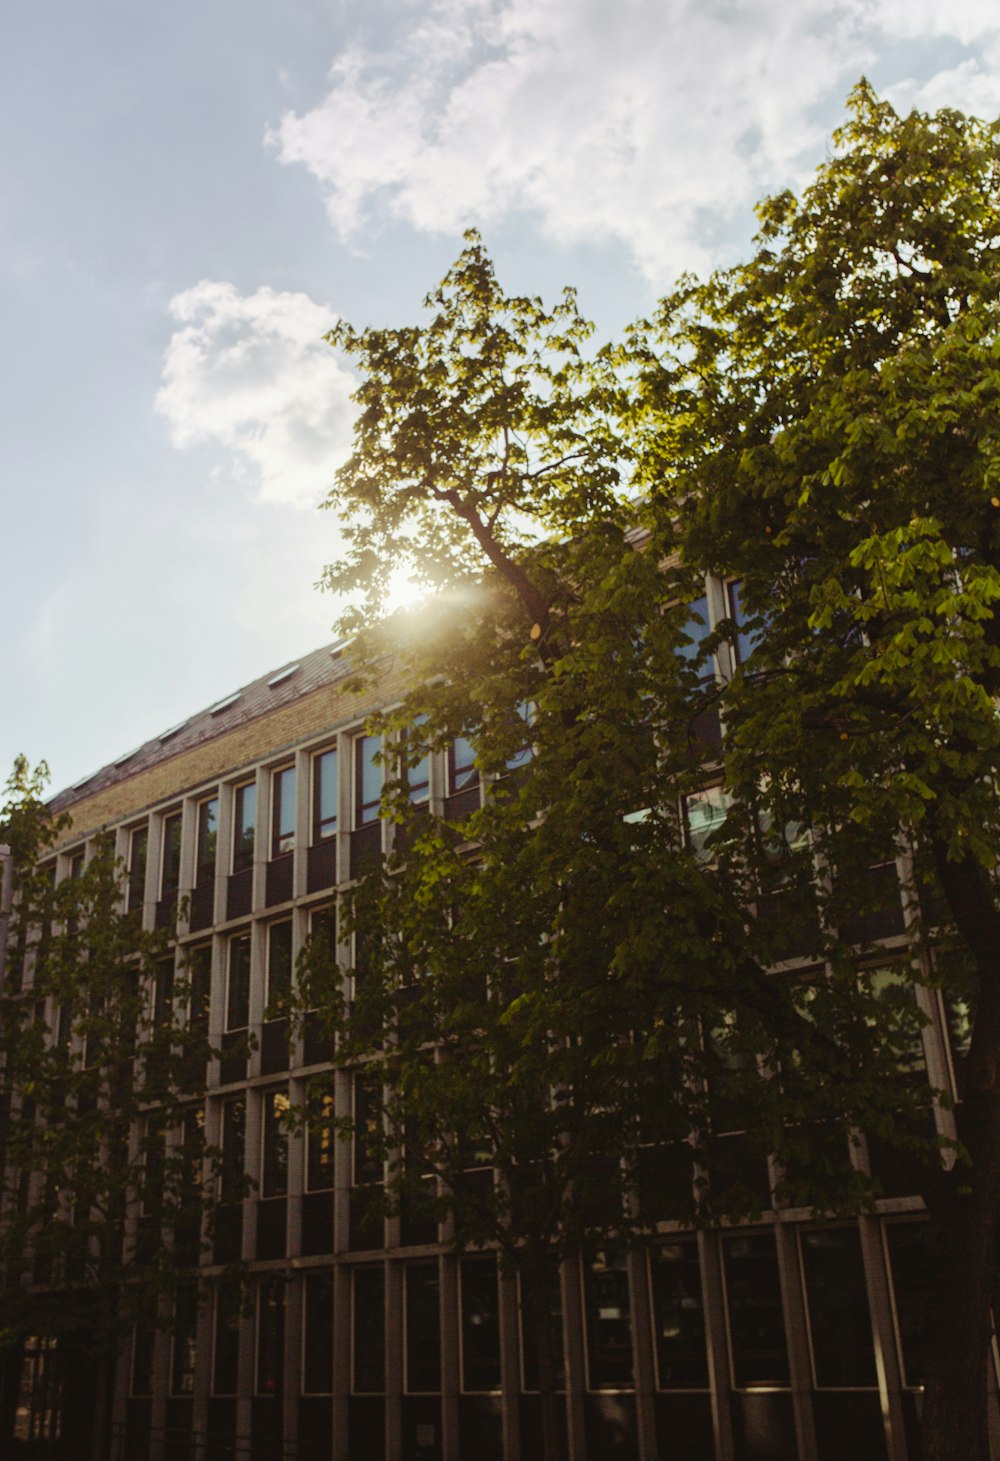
column 697, row 628
column 170, row 879
column 463, row 773
column 745, row 640
column 137, row 856
column 283, row 811
column 238, row 990
column 244, row 825
column 208, row 828
column 705, row 812
column 76, row 861
column 324, row 795
column 367, row 780
column 279, row 965
column 418, row 773
column 274, row 1144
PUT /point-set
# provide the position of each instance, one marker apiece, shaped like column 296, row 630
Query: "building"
column 784, row 1341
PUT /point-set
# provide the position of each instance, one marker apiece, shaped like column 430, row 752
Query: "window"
column 463, row 773
column 369, row 1330
column 274, row 1141
column 525, row 716
column 908, row 1261
column 317, row 1339
column 553, row 1306
column 137, row 857
column 183, row 1349
column 745, row 640
column 321, row 1142
column 367, row 780
column 697, row 628
column 143, row 1348
column 199, row 975
column 839, row 1321
column 367, row 1132
column 244, row 825
column 231, row 1183
column 279, row 967
column 679, row 1315
column 418, row 774
column 283, row 811
column 704, row 813
column 756, row 1319
column 208, row 825
column 324, row 795
column 480, row 1324
column 76, row 861
column 170, row 876
column 226, row 1363
column 238, row 991
column 270, row 1337
column 609, row 1322
column 423, row 1328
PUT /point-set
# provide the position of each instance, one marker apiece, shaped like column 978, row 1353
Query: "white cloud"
column 639, row 122
column 252, row 373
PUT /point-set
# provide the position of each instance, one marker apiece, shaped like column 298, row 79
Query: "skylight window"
column 281, row 676
column 224, row 704
column 169, row 734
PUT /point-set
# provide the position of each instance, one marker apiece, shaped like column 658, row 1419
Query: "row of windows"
column 832, row 1275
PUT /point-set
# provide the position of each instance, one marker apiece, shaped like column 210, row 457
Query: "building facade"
column 787, row 1340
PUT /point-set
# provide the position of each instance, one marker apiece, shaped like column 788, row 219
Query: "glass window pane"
column 480, row 1324
column 274, row 1161
column 233, row 1150
column 609, row 1321
column 745, row 640
column 317, row 1356
column 279, row 966
column 369, row 1330
column 238, row 997
column 367, row 1134
column 463, row 773
column 138, row 853
column 283, row 811
column 244, row 825
column 837, row 1295
column 321, row 1143
column 679, row 1315
column 171, row 873
column 185, row 1326
column 271, row 1337
column 908, row 1259
column 697, row 628
column 705, row 812
column 208, row 828
column 367, row 780
column 226, row 1364
column 529, row 1347
column 324, row 795
column 756, row 1317
column 423, row 1328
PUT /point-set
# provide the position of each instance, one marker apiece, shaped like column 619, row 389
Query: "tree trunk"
column 536, row 1278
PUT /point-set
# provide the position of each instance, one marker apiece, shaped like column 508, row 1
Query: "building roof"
column 324, row 666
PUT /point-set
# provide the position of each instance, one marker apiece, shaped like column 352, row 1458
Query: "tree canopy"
column 677, row 895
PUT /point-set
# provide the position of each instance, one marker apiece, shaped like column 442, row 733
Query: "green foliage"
column 102, row 1152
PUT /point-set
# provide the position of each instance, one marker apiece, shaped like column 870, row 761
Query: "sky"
column 192, row 194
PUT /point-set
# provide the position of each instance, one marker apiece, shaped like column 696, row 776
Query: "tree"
column 101, row 1151
column 571, row 985
column 821, row 423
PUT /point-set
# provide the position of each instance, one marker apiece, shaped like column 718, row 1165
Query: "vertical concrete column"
column 710, row 1256
column 890, row 1379
column 797, row 1333
column 576, row 1360
column 642, row 1350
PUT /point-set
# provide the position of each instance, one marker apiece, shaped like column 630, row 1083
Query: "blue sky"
column 191, row 194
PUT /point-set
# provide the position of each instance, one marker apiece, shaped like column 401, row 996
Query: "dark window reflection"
column 908, row 1259
column 679, row 1315
column 423, row 1328
column 369, row 1330
column 756, row 1319
column 839, row 1320
column 480, row 1325
column 609, row 1321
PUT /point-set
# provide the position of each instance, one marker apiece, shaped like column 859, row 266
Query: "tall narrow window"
column 208, row 824
column 270, row 1336
column 182, row 1359
column 609, row 1322
column 321, row 1142
column 463, row 773
column 279, row 967
column 423, row 1328
column 697, row 628
column 244, row 825
column 283, row 811
column 137, row 856
column 418, row 774
column 170, row 879
column 756, row 1317
column 369, row 1330
column 238, row 992
column 679, row 1315
column 367, row 780
column 480, row 1324
column 317, row 1343
column 367, row 1134
column 226, row 1366
column 324, row 795
column 745, row 639
column 839, row 1322
column 274, row 1137
column 231, row 1184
